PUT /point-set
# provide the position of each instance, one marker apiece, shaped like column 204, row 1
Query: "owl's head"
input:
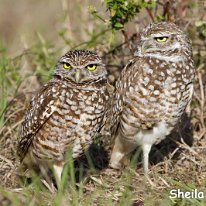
column 164, row 40
column 81, row 67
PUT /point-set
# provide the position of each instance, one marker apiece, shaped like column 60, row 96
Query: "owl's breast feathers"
column 151, row 90
column 57, row 101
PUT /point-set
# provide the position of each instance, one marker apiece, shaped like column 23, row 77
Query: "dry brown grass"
column 179, row 160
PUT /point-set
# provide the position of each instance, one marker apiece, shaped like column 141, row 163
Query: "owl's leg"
column 146, row 150
column 58, row 168
column 122, row 147
column 40, row 167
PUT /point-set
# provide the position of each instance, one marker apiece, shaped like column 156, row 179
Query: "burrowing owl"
column 67, row 112
column 152, row 92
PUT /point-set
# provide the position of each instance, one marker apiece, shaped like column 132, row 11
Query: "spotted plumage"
column 66, row 113
column 152, row 92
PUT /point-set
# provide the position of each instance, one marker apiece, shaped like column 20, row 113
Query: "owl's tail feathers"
column 106, row 139
column 106, row 130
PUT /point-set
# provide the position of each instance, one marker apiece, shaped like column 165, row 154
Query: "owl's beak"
column 78, row 75
column 144, row 47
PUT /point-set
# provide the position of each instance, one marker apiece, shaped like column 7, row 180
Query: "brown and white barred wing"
column 42, row 106
column 137, row 112
column 116, row 104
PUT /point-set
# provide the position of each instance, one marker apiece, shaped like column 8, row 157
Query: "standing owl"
column 151, row 93
column 66, row 113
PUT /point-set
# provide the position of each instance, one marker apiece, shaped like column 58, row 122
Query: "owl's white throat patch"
column 175, row 58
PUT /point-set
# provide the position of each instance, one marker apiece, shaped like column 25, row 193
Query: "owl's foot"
column 50, row 186
column 123, row 162
column 116, row 160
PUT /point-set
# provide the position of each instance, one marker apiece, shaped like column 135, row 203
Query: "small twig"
column 12, row 101
column 191, row 159
column 160, row 3
column 173, row 153
column 13, row 127
column 99, row 17
column 150, row 181
column 120, row 45
column 51, row 188
column 17, row 190
column 150, row 14
column 164, row 181
column 7, row 160
column 8, row 118
column 125, row 35
column 98, row 181
column 185, row 146
column 202, row 102
column 197, row 97
column 94, row 37
column 166, row 10
column 25, row 52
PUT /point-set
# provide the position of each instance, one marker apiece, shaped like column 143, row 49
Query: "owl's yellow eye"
column 67, row 65
column 91, row 67
column 161, row 39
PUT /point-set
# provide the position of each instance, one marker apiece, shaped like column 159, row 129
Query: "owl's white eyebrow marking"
column 161, row 34
column 67, row 60
column 95, row 62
